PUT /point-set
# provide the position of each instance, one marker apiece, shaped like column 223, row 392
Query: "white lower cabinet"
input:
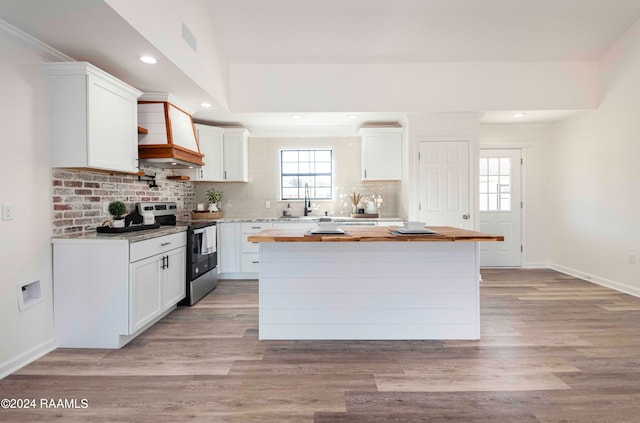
column 156, row 284
column 229, row 248
column 108, row 290
column 239, row 258
column 250, row 259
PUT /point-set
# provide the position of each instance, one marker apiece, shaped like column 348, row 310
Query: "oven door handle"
column 198, row 231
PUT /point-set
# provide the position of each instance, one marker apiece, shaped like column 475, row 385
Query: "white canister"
column 148, row 218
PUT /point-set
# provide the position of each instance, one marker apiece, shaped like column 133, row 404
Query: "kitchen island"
column 370, row 284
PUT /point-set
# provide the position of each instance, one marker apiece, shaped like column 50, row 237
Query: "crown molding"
column 46, row 51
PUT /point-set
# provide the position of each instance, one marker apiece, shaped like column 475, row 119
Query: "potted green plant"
column 117, row 209
column 213, row 197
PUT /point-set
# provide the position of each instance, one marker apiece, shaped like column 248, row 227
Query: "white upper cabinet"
column 381, row 154
column 211, row 143
column 226, row 155
column 94, row 121
column 236, row 155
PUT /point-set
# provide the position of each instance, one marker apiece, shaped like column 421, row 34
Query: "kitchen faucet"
column 307, row 200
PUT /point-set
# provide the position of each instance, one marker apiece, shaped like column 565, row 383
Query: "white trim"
column 505, row 145
column 27, row 357
column 49, row 53
column 596, row 279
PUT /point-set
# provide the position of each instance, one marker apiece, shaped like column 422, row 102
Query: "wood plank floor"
column 553, row 349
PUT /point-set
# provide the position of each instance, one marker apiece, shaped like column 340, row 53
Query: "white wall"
column 595, row 177
column 534, row 141
column 25, row 249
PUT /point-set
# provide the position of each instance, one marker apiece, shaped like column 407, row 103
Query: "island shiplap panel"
column 375, row 290
column 429, row 284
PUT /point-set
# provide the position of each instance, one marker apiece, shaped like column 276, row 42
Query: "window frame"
column 312, row 188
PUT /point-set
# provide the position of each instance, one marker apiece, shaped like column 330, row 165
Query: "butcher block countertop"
column 370, row 234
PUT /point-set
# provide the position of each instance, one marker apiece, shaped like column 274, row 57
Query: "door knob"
column 466, row 216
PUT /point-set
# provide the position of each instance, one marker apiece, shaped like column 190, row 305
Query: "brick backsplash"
column 79, row 196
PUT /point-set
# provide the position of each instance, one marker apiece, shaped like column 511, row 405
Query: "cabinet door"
column 112, row 128
column 236, row 155
column 381, row 154
column 174, row 285
column 145, row 295
column 211, row 144
column 229, row 251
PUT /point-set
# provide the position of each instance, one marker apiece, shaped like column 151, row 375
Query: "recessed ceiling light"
column 205, row 104
column 519, row 115
column 148, row 59
column 353, row 116
column 296, row 117
column 174, row 164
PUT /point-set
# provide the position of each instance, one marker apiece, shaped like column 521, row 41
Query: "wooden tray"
column 205, row 215
column 365, row 215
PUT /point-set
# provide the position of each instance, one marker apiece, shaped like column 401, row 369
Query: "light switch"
column 7, row 212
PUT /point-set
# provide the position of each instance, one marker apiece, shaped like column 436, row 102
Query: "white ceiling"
column 400, row 31
column 337, row 31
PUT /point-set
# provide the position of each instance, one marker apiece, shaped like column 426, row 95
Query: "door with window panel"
column 501, row 206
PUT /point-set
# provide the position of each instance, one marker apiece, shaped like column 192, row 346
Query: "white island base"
column 369, row 290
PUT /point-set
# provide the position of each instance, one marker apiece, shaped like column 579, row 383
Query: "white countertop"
column 134, row 236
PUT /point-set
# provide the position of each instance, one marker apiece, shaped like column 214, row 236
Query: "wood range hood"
column 166, row 138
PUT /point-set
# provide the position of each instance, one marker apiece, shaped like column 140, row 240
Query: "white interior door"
column 444, row 184
column 500, row 194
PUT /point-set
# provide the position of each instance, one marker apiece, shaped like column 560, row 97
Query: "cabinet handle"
column 365, row 173
column 163, row 265
column 167, row 262
column 225, row 174
column 256, row 227
column 164, row 244
column 255, row 262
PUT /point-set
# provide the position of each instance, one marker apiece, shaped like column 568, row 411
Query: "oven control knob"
column 197, row 270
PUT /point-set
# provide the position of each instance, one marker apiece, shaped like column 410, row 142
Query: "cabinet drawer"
column 250, row 263
column 248, row 246
column 253, row 227
column 151, row 247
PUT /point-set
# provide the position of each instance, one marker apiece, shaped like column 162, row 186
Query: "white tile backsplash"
column 241, row 199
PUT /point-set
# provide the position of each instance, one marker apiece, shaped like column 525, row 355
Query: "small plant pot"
column 119, row 223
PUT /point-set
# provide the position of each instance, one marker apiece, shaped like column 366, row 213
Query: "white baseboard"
column 27, row 357
column 596, row 279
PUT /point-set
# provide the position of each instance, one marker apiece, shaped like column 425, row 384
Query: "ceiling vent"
column 170, row 139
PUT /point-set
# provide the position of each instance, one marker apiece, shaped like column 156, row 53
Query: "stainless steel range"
column 202, row 254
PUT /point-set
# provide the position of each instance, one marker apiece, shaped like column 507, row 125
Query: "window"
column 495, row 184
column 300, row 167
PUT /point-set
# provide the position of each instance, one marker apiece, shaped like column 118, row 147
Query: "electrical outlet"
column 267, row 204
column 105, row 207
column 7, row 212
column 632, row 258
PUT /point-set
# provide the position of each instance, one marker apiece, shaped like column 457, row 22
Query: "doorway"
column 500, row 201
